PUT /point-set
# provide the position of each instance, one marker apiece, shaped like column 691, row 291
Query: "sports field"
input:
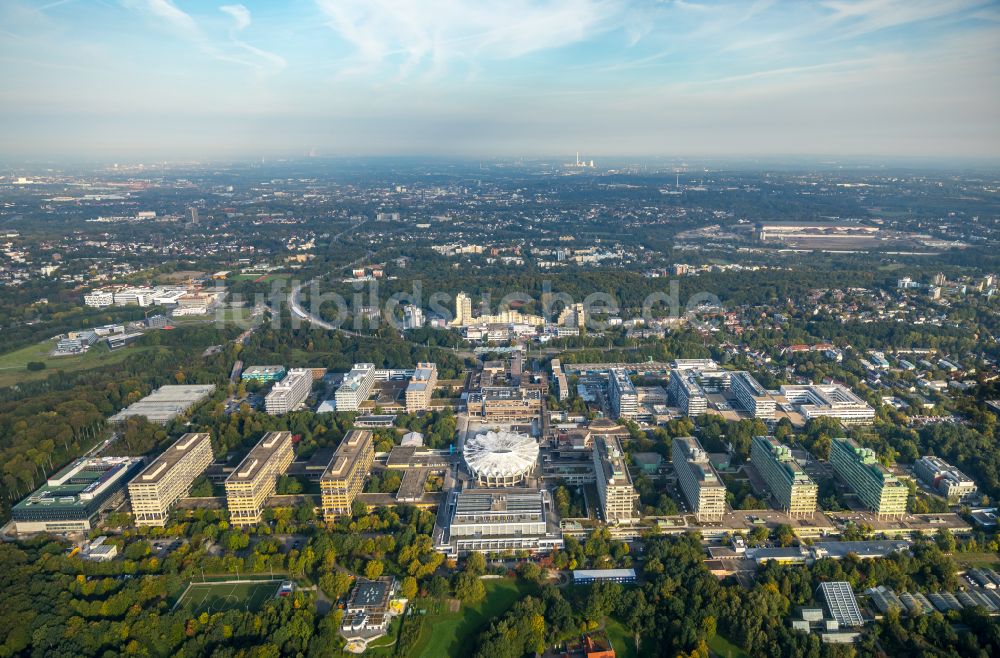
column 218, row 597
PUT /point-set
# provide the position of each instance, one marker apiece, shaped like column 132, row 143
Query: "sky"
column 197, row 79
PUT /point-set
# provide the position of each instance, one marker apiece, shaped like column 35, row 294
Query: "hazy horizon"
column 147, row 80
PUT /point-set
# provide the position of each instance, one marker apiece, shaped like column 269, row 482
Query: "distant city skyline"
column 179, row 79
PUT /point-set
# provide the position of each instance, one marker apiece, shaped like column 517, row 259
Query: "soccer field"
column 217, row 597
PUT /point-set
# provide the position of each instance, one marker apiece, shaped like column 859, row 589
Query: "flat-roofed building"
column 614, row 484
column 263, row 373
column 753, row 398
column 830, row 400
column 623, row 397
column 166, row 403
column 290, row 392
column 791, row 486
column 256, row 478
column 562, row 385
column 421, row 387
column 505, row 404
column 356, row 387
column 700, row 483
column 945, row 478
column 169, row 477
column 605, row 575
column 70, row 500
column 495, row 520
column 841, row 603
column 878, row 489
column 688, row 395
column 345, row 476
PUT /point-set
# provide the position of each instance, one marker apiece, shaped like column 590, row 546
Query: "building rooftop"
column 258, row 456
column 841, row 602
column 166, row 403
column 371, row 595
column 500, row 454
column 352, row 380
column 79, row 484
column 169, row 457
column 612, row 460
column 697, row 458
column 348, row 452
column 263, row 370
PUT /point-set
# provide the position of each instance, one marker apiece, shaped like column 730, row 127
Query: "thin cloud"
column 435, row 34
column 867, row 16
column 186, row 27
column 241, row 19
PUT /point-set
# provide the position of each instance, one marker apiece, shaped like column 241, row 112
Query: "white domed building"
column 500, row 459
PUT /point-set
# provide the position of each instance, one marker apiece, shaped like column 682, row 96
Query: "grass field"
column 453, row 633
column 621, row 639
column 976, row 559
column 722, row 647
column 217, row 597
column 13, row 364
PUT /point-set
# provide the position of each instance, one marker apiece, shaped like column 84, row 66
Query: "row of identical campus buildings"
column 791, row 487
column 155, row 490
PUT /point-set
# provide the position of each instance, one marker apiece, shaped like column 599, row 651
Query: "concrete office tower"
column 792, row 487
column 463, row 309
column 688, row 395
column 751, row 395
column 562, row 384
column 290, row 392
column 345, row 476
column 161, row 484
column 421, row 387
column 877, row 488
column 413, row 317
column 700, row 483
column 624, row 399
column 356, row 388
column 614, row 484
column 256, row 478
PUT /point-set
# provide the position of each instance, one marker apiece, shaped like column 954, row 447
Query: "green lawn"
column 621, row 640
column 453, row 634
column 13, row 364
column 216, row 597
column 976, row 559
column 722, row 647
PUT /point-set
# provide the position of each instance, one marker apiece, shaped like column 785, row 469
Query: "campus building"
column 421, row 387
column 792, row 488
column 702, row 487
column 688, row 395
column 166, row 403
column 753, row 398
column 263, row 373
column 877, row 488
column 945, row 478
column 622, row 395
column 161, row 484
column 830, row 400
column 256, row 478
column 496, row 520
column 70, row 500
column 290, row 392
column 345, row 476
column 614, row 484
column 356, row 388
column 562, row 385
column 506, row 404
